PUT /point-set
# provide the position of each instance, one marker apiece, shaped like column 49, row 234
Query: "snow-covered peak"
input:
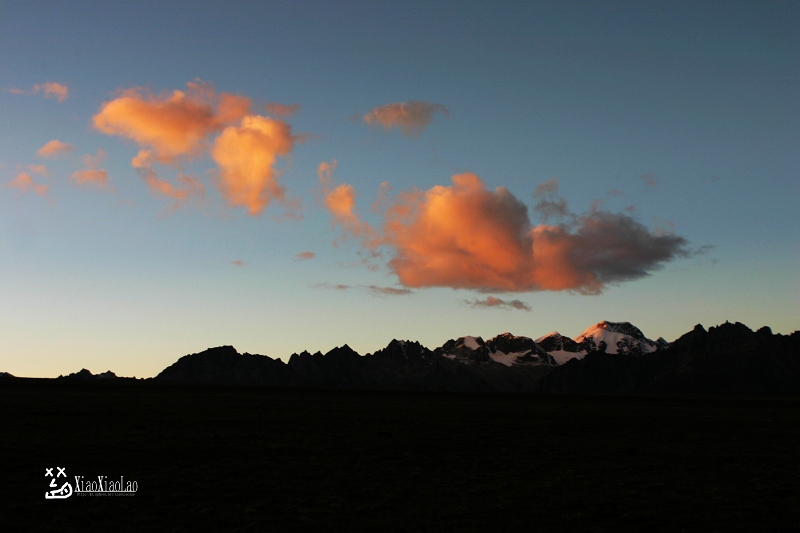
column 552, row 334
column 624, row 328
column 616, row 337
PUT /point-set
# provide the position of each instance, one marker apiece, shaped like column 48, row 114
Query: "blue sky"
column 682, row 117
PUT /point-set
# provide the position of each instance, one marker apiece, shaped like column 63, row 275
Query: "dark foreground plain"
column 257, row 459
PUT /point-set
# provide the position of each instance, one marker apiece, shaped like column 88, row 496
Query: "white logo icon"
column 57, row 493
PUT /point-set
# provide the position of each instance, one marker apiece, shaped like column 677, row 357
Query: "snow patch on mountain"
column 562, row 356
column 508, row 359
column 470, row 342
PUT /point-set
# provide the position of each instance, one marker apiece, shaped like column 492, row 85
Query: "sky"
column 288, row 176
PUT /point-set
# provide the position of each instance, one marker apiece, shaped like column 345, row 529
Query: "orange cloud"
column 464, row 236
column 411, row 118
column 282, row 110
column 92, row 175
column 173, row 124
column 303, row 256
column 340, row 201
column 190, row 188
column 54, row 148
column 239, row 263
column 245, row 155
column 25, row 183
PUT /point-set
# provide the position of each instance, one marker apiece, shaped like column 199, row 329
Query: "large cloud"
column 464, row 236
column 245, row 155
column 409, row 117
column 171, row 124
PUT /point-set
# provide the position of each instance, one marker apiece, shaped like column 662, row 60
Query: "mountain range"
column 608, row 357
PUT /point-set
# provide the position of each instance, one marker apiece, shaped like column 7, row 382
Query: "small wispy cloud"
column 93, row 175
column 49, row 89
column 649, row 179
column 38, row 169
column 411, row 117
column 373, row 290
column 334, row 286
column 388, row 291
column 491, row 301
column 239, row 263
column 54, row 148
column 305, row 256
column 282, row 110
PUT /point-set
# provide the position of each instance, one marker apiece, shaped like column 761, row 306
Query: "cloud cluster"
column 491, row 301
column 464, row 236
column 411, row 118
column 176, row 126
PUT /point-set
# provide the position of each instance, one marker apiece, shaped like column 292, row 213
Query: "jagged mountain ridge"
column 724, row 359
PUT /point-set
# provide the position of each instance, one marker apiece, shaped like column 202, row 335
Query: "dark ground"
column 261, row 459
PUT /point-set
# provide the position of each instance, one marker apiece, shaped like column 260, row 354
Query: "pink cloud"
column 23, row 182
column 53, row 90
column 54, row 148
column 304, row 256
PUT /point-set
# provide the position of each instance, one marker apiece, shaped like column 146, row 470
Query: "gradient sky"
column 164, row 223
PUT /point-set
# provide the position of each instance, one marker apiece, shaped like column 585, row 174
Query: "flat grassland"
column 253, row 459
